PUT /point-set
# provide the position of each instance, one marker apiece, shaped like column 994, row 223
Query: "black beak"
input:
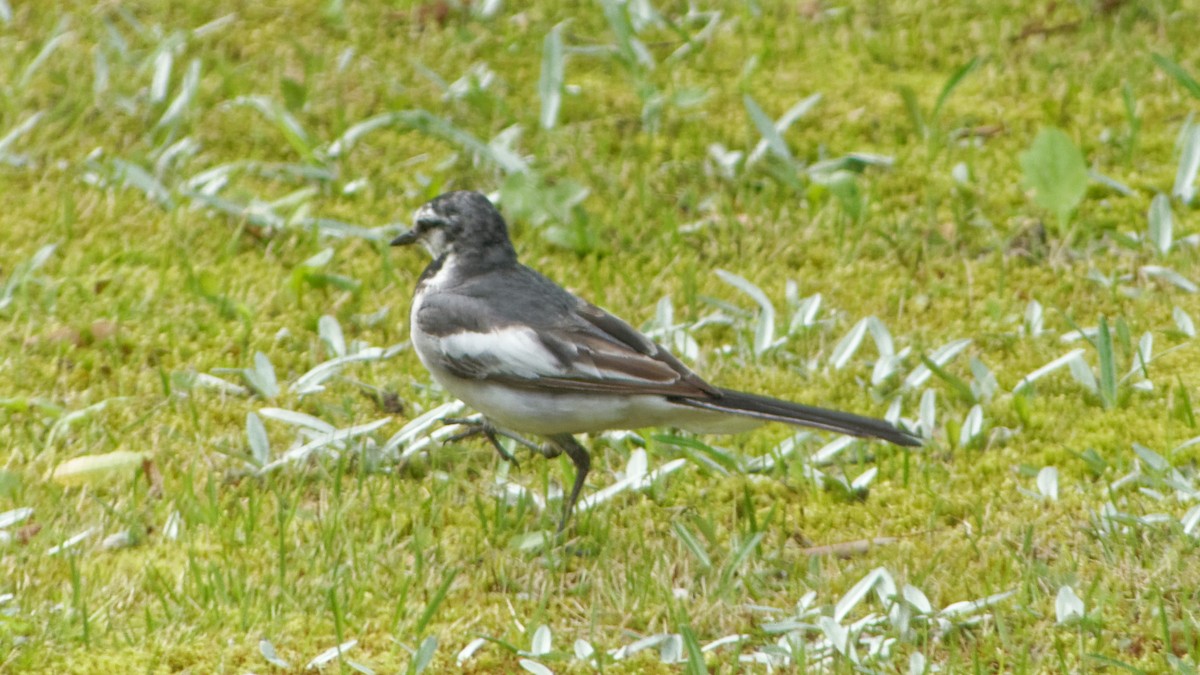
column 405, row 239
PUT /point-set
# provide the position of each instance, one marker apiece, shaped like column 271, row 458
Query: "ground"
column 195, row 200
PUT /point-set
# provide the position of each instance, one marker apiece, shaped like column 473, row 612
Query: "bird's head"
column 462, row 222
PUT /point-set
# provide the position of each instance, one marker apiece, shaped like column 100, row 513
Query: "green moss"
column 306, row 556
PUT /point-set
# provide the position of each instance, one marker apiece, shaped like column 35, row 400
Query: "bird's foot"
column 476, row 426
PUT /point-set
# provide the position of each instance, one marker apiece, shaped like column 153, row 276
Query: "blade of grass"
column 695, row 657
column 692, row 543
column 739, row 558
column 61, row 34
column 436, row 601
column 1108, row 366
column 952, row 84
column 1189, row 84
column 18, row 131
column 913, row 107
column 961, row 388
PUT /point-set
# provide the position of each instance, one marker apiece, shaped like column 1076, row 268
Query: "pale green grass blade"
column 185, row 98
column 22, row 128
column 550, row 84
column 1161, row 225
column 330, row 654
column 766, row 128
column 467, row 652
column 268, row 652
column 60, row 37
column 1183, row 321
column 424, row 655
column 256, row 436
column 1047, row 482
column 631, row 49
column 800, row 109
column 764, row 332
column 845, row 348
column 261, row 378
column 23, row 274
column 15, row 517
column 162, row 74
column 1189, row 165
column 1170, row 276
column 972, row 425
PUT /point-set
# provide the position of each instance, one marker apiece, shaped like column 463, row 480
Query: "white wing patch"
column 515, row 351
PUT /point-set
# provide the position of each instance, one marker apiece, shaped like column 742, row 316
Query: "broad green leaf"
column 1055, row 169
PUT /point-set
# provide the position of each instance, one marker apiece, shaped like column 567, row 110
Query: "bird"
column 533, row 358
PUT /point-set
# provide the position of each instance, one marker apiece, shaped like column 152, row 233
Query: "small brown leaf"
column 103, row 329
column 153, row 477
column 27, row 532
column 60, row 335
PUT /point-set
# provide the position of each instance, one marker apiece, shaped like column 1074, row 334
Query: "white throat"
column 436, row 243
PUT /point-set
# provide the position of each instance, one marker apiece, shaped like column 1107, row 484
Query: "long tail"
column 775, row 410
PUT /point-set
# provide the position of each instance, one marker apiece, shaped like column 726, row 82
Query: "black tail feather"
column 775, row 410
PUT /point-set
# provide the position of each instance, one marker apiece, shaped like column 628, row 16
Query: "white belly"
column 547, row 414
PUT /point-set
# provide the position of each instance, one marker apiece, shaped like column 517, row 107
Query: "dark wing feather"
column 587, row 349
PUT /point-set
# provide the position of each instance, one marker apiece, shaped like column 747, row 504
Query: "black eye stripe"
column 428, row 223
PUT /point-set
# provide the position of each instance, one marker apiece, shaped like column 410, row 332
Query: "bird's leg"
column 583, row 463
column 484, row 427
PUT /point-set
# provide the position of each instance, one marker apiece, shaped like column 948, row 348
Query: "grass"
column 187, row 186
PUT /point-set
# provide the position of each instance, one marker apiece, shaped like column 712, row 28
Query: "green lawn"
column 187, row 186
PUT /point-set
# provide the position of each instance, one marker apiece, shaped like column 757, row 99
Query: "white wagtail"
column 533, row 358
